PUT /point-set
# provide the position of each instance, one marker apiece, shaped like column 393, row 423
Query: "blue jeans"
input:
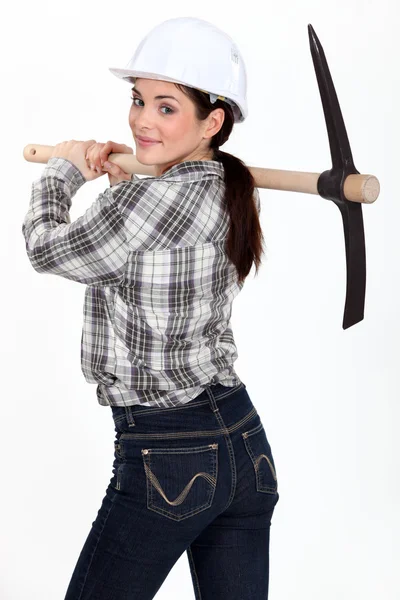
column 199, row 477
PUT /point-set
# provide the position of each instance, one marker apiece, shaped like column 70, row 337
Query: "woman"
column 163, row 258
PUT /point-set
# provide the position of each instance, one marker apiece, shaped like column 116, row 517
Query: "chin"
column 141, row 157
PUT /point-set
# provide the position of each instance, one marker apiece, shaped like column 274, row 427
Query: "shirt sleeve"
column 91, row 250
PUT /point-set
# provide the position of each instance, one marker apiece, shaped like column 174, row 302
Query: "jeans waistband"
column 212, row 395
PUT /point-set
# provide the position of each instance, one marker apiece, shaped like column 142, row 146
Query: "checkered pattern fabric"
column 159, row 285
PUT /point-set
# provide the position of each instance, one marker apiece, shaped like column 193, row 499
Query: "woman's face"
column 172, row 123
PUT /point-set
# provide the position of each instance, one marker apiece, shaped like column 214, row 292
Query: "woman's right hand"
column 97, row 155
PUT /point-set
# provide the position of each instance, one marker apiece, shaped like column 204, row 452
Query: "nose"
column 143, row 120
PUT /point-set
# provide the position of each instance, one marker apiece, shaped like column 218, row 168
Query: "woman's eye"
column 133, row 98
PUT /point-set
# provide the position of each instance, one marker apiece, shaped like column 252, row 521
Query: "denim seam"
column 229, row 447
column 194, row 572
column 189, row 434
column 253, row 430
column 94, row 551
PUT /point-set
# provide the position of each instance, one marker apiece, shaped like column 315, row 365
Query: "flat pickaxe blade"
column 331, row 186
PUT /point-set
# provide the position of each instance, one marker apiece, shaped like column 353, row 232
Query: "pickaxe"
column 342, row 184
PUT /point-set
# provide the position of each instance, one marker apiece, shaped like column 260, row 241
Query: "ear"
column 215, row 121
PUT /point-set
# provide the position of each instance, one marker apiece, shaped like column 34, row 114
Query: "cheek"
column 178, row 129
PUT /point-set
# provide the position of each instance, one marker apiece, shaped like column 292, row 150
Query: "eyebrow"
column 134, row 89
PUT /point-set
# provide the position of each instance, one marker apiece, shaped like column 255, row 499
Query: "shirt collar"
column 193, row 170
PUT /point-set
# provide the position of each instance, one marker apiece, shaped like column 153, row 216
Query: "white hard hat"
column 195, row 53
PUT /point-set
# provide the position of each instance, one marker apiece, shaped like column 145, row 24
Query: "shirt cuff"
column 64, row 169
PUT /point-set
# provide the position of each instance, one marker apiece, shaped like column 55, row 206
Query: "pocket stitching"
column 150, row 486
column 266, row 488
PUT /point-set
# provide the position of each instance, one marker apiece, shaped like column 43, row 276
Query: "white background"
column 329, row 398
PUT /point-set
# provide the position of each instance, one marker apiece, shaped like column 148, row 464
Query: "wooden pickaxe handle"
column 357, row 188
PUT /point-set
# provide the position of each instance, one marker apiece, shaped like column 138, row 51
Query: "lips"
column 146, row 139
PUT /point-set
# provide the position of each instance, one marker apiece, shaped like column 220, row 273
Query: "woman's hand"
column 75, row 152
column 97, row 159
column 84, row 154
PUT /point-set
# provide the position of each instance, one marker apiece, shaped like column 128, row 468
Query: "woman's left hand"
column 75, row 151
column 97, row 157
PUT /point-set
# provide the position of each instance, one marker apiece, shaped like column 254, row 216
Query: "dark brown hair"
column 244, row 245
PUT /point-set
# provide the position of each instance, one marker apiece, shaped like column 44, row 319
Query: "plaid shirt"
column 159, row 285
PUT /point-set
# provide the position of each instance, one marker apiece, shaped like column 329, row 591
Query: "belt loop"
column 129, row 416
column 213, row 402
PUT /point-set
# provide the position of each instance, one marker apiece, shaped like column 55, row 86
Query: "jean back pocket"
column 181, row 482
column 259, row 450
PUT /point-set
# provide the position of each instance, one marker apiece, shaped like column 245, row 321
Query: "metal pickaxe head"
column 331, row 186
